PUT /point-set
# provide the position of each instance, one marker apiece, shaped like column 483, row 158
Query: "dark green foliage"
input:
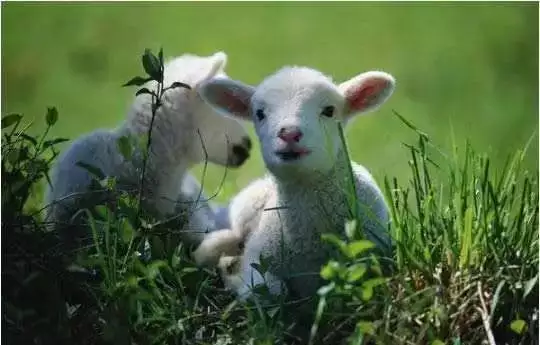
column 153, row 66
column 52, row 116
column 36, row 286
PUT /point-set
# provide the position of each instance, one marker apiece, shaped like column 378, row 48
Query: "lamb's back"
column 372, row 208
column 98, row 149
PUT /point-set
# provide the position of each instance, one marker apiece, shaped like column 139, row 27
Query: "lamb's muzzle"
column 240, row 152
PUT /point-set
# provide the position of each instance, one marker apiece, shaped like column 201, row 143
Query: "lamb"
column 182, row 124
column 296, row 113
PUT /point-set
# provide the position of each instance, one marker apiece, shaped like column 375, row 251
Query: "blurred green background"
column 462, row 67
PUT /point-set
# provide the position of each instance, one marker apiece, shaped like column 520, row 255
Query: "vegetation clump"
column 465, row 269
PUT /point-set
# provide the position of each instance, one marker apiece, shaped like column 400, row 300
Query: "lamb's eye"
column 328, row 111
column 260, row 114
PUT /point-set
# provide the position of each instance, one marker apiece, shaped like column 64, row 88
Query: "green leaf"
column 144, row 91
column 529, row 285
column 410, row 125
column 175, row 261
column 17, row 155
column 357, row 247
column 124, row 146
column 330, row 270
column 225, row 313
column 335, row 241
column 143, row 141
column 437, row 342
column 374, row 282
column 261, row 266
column 187, row 270
column 133, row 281
column 13, row 157
column 326, row 289
column 365, row 327
column 350, row 228
column 29, row 138
column 101, row 211
column 466, row 238
column 91, row 169
column 264, row 264
column 151, row 65
column 261, row 289
column 126, row 230
column 355, row 272
column 256, row 266
column 272, row 312
column 137, row 81
column 154, row 267
column 367, row 293
column 11, row 119
column 518, row 326
column 53, row 142
column 52, row 116
column 160, row 55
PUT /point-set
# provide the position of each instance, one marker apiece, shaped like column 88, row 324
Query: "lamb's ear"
column 367, row 91
column 228, row 96
column 217, row 64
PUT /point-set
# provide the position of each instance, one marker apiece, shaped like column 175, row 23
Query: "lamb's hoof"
column 229, row 265
column 229, row 269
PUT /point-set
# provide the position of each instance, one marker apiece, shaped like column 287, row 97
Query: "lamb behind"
column 181, row 124
column 282, row 216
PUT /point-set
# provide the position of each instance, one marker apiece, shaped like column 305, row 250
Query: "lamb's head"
column 296, row 112
column 219, row 139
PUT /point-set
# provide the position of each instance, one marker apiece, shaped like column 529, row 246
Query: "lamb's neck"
column 317, row 186
column 170, row 138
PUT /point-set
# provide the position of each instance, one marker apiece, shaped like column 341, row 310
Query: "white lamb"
column 181, row 125
column 282, row 216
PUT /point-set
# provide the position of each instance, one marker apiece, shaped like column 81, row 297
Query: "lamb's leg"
column 250, row 278
column 216, row 244
column 229, row 269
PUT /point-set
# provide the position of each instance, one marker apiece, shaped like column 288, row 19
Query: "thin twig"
column 154, row 106
column 485, row 316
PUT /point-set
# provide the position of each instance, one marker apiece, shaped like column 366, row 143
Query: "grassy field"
column 466, row 236
column 462, row 68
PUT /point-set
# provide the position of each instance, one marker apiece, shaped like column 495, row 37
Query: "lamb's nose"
column 290, row 134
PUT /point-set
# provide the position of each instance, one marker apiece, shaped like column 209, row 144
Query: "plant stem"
column 156, row 103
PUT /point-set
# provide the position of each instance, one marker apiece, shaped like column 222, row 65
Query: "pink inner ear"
column 366, row 94
column 232, row 102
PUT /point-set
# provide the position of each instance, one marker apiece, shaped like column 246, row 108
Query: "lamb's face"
column 219, row 139
column 296, row 113
column 225, row 140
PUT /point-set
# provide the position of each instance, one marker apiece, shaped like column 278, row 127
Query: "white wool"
column 283, row 215
column 181, row 125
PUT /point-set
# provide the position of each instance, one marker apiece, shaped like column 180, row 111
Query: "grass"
column 465, row 220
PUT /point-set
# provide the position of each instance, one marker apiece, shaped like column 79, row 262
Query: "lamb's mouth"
column 292, row 154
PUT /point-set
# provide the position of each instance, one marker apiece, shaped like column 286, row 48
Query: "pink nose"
column 290, row 134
